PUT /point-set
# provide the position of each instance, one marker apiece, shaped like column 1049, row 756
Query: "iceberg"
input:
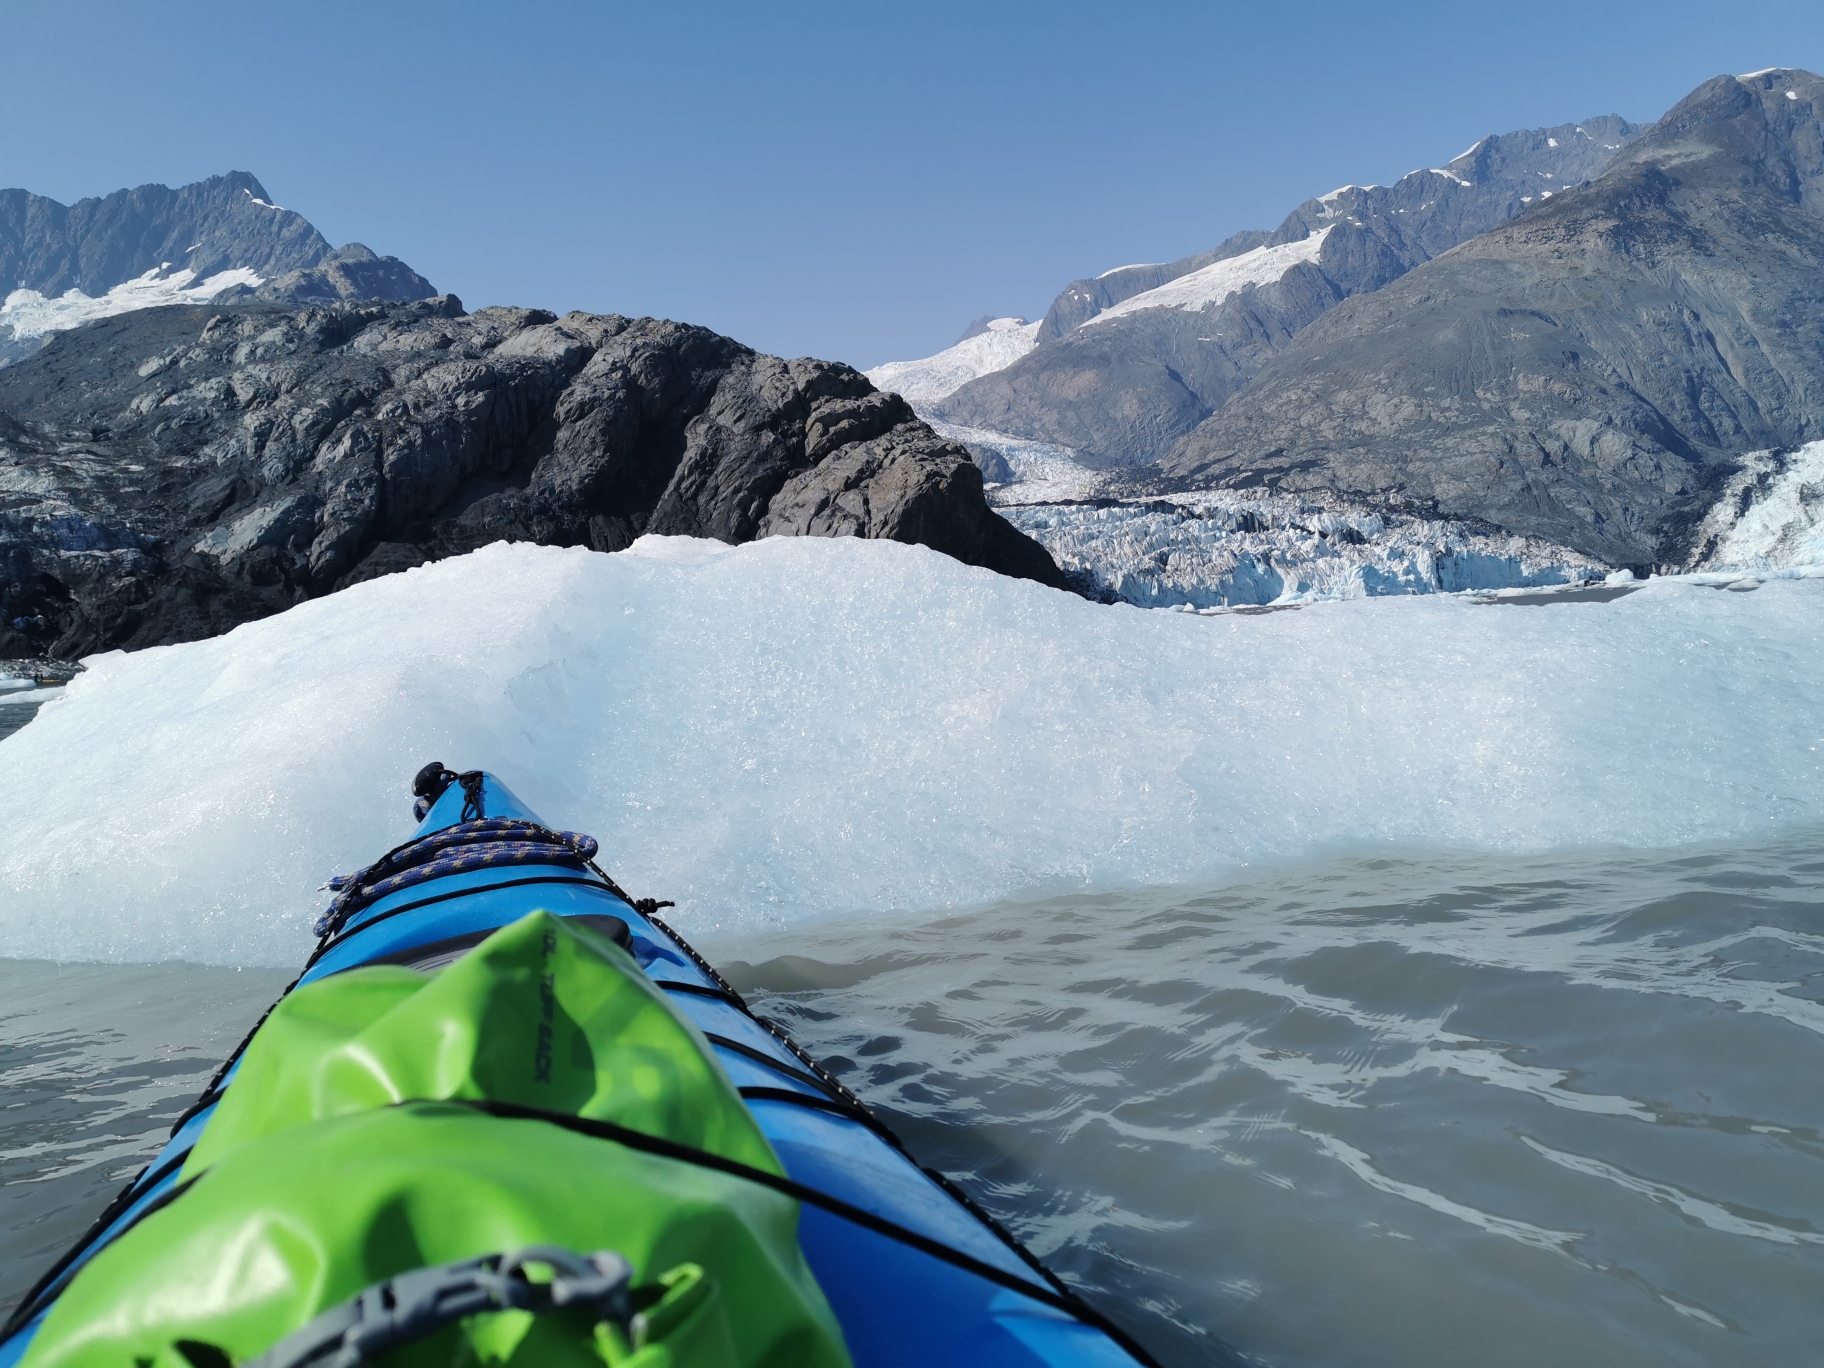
column 782, row 732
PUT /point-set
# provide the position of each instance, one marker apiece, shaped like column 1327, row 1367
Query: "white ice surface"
column 926, row 381
column 1220, row 279
column 30, row 314
column 1771, row 515
column 800, row 727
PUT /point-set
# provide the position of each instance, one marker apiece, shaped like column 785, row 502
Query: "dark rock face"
column 354, row 272
column 167, row 474
column 1588, row 371
column 1121, row 391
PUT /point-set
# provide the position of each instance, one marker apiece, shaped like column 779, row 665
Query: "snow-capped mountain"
column 64, row 265
column 1125, row 364
column 1594, row 371
column 1563, row 354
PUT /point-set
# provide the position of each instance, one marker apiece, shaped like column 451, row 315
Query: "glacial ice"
column 798, row 728
column 1220, row 549
column 1207, row 549
column 928, row 380
column 1770, row 515
column 1216, row 282
column 29, row 314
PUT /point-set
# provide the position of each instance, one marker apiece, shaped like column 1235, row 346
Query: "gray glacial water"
column 1419, row 1110
column 1436, row 1111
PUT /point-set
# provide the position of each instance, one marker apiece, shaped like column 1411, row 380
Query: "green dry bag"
column 341, row 1158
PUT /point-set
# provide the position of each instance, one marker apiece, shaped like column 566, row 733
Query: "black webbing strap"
column 1067, row 1302
column 861, row 1116
column 777, row 1065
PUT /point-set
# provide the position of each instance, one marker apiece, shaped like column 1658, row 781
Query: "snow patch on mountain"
column 26, row 314
column 925, row 381
column 1214, row 283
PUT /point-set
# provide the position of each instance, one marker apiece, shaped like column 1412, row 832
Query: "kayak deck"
column 930, row 1279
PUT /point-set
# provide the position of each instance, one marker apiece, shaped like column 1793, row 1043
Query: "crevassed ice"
column 1220, row 279
column 802, row 727
column 1770, row 515
column 1039, row 470
column 30, row 314
column 1219, row 548
column 922, row 382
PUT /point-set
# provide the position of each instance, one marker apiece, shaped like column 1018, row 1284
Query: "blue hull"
column 898, row 1303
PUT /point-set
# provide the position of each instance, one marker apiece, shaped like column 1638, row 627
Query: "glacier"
column 1205, row 288
column 1004, row 341
column 1217, row 549
column 26, row 315
column 799, row 728
column 1214, row 549
column 1770, row 515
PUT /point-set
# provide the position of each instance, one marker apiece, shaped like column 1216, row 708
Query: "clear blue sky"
column 852, row 180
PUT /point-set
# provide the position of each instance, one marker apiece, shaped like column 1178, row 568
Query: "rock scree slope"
column 169, row 473
column 1589, row 372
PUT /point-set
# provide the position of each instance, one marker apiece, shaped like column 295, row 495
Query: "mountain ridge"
column 61, row 265
column 1591, row 371
column 1122, row 394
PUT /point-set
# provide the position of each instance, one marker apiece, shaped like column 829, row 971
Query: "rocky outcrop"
column 1590, row 372
column 354, row 272
column 169, row 473
column 1120, row 383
